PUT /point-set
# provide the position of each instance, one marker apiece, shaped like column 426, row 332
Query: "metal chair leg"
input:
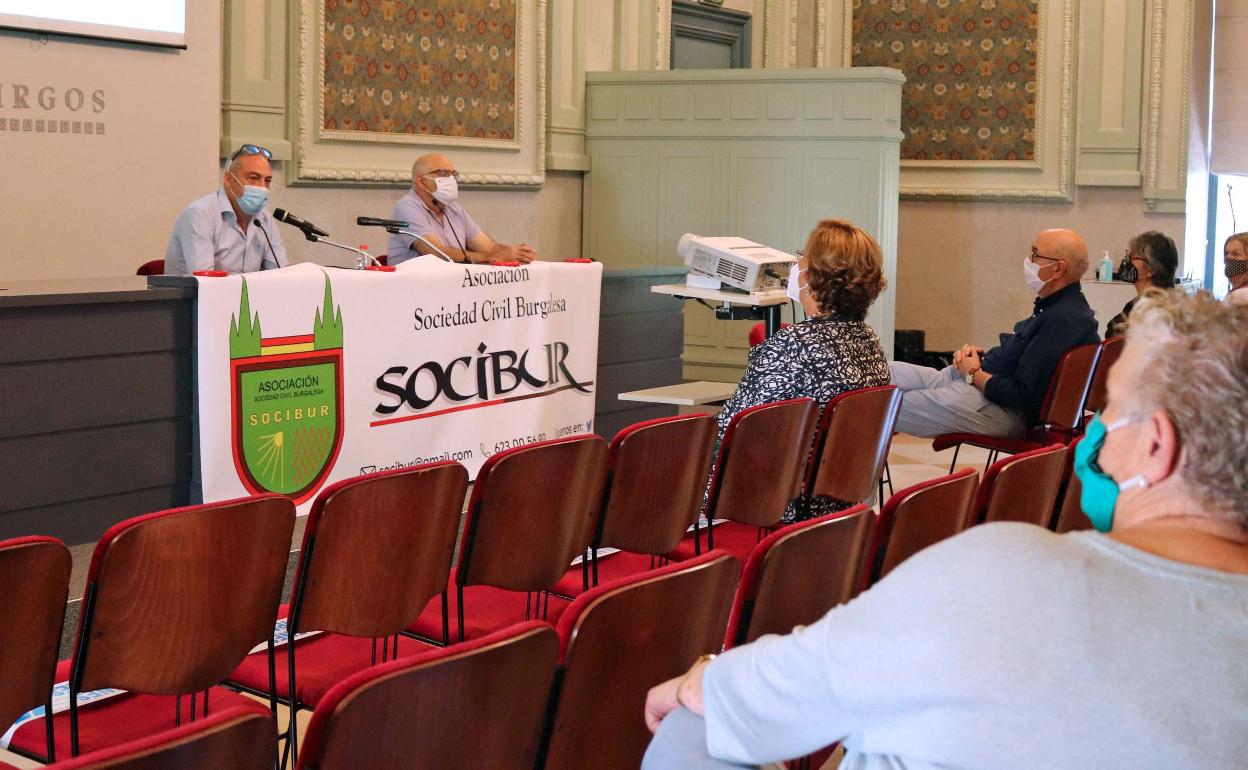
column 956, row 448
column 459, row 594
column 47, row 727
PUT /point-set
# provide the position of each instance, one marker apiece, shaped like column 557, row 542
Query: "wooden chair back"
column 770, row 441
column 1022, row 487
column 377, row 548
column 919, row 516
column 1070, row 516
column 532, row 511
column 1062, row 410
column 175, row 600
column 655, row 479
column 622, row 638
column 798, row 573
column 238, row 737
column 852, row 443
column 1111, row 349
column 34, row 581
column 479, row 704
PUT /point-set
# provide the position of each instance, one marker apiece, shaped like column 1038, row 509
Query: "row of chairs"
column 608, row 649
column 533, row 508
column 1076, row 388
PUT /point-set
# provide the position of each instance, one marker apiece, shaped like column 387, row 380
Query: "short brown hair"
column 846, row 270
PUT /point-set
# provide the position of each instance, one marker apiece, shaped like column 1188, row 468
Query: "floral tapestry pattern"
column 429, row 68
column 970, row 67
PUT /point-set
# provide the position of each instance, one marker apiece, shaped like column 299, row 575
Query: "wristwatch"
column 970, row 376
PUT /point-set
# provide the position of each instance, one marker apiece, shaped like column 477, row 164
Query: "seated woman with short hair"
column 838, row 276
column 1010, row 646
column 1150, row 262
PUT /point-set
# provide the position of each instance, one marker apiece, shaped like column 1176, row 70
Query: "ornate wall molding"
column 1169, row 75
column 347, row 157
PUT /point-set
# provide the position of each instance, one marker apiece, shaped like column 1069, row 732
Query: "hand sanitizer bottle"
column 1107, row 267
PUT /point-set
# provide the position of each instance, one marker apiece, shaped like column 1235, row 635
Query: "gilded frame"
column 337, row 157
column 1050, row 175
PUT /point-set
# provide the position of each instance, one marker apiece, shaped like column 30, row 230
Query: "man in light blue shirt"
column 433, row 211
column 229, row 229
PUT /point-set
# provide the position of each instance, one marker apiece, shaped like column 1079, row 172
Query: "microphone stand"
column 362, row 258
column 436, row 251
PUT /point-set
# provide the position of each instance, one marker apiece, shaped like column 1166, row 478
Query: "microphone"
column 310, row 230
column 375, row 222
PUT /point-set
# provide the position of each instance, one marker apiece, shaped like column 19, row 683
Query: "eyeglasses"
column 444, row 172
column 1037, row 255
column 1131, row 256
column 252, row 149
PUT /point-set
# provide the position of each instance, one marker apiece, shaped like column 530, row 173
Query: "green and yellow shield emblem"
column 286, row 402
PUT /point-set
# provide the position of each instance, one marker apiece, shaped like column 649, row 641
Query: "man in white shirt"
column 433, row 210
column 229, row 229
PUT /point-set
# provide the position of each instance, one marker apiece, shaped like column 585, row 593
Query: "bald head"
column 431, row 162
column 1067, row 246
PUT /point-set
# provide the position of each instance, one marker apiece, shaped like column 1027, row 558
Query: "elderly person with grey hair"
column 1010, row 646
column 230, row 230
column 1150, row 262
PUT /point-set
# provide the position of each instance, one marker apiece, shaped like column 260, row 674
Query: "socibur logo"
column 488, row 378
column 286, row 402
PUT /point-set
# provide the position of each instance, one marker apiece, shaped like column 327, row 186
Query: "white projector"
column 735, row 262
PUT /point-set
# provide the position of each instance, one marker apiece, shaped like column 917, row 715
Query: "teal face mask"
column 1100, row 491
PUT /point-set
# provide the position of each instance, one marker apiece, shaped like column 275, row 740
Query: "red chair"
column 239, row 737
column 656, row 474
column 34, row 581
column 376, row 549
column 1111, row 349
column 1070, row 515
column 758, row 333
column 760, row 468
column 917, row 517
column 154, row 267
column 474, row 705
column 532, row 512
column 800, row 572
column 851, row 446
column 620, row 639
column 174, row 601
column 1061, row 414
column 1023, row 487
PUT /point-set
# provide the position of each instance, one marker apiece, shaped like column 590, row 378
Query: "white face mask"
column 1031, row 276
column 447, row 189
column 794, row 290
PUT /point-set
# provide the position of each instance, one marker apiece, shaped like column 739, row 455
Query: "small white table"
column 685, row 394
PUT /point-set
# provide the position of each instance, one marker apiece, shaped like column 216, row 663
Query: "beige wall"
column 959, row 264
column 82, row 206
column 548, row 219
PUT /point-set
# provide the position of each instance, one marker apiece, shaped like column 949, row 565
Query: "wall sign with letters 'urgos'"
column 46, row 109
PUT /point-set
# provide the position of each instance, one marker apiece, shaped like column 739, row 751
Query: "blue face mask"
column 1100, row 491
column 253, row 199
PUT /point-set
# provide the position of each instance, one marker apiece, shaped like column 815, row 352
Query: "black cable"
column 1231, row 201
column 264, row 232
column 458, row 242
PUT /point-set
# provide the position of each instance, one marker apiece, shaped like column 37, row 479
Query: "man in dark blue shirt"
column 999, row 393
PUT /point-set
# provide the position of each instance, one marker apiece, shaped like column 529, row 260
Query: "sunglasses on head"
column 252, row 149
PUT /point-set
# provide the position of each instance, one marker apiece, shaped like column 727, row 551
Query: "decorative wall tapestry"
column 971, row 66
column 420, row 69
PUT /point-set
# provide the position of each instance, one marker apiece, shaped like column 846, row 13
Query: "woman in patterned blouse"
column 833, row 350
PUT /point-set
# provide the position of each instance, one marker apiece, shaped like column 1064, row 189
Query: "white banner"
column 308, row 374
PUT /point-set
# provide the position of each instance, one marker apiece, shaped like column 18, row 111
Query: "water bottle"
column 364, row 260
column 1107, row 267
